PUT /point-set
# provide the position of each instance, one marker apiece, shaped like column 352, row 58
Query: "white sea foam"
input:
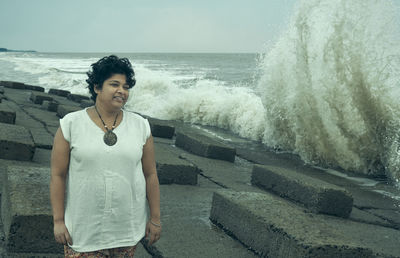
column 207, row 102
column 331, row 86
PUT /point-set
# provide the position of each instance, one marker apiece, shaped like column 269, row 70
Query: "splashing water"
column 208, row 103
column 331, row 86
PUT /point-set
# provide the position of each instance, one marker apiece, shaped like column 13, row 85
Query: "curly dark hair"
column 107, row 67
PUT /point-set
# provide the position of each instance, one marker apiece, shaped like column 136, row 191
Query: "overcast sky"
column 142, row 25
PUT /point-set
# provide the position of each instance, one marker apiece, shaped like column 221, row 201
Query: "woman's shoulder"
column 131, row 115
column 74, row 115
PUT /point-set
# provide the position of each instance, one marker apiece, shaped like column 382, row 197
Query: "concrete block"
column 316, row 195
column 77, row 98
column 62, row 110
column 34, row 88
column 42, row 157
column 366, row 217
column 62, row 93
column 39, row 97
column 161, row 128
column 86, row 103
column 276, row 228
column 26, row 211
column 44, row 117
column 205, row 146
column 6, row 114
column 173, row 170
column 13, row 85
column 16, row 142
column 2, row 97
column 42, row 138
column 393, row 216
column 50, row 105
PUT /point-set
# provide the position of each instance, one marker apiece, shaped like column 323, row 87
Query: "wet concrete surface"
column 185, row 209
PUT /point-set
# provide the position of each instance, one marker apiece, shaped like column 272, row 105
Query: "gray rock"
column 161, row 128
column 172, row 170
column 316, row 195
column 77, row 97
column 62, row 110
column 1, row 89
column 26, row 211
column 276, row 228
column 16, row 142
column 205, row 146
column 62, row 93
column 39, row 97
column 6, row 114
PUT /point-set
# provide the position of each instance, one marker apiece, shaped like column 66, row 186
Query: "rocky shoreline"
column 218, row 198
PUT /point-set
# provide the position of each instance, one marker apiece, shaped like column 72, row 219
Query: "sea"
column 328, row 88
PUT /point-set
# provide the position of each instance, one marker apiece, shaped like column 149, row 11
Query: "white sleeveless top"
column 106, row 190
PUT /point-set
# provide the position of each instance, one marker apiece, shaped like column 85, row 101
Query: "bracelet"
column 155, row 224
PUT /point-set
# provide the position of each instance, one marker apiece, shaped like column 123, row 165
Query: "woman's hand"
column 61, row 233
column 153, row 231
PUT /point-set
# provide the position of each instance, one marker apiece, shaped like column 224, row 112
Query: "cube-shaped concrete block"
column 62, row 110
column 86, row 103
column 58, row 92
column 26, row 211
column 205, row 146
column 161, row 128
column 276, row 228
column 77, row 97
column 173, row 170
column 16, row 142
column 7, row 115
column 39, row 97
column 13, row 85
column 34, row 88
column 50, row 105
column 316, row 195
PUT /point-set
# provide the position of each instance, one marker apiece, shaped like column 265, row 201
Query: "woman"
column 103, row 159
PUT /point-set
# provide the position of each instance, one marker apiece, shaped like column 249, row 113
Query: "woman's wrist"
column 155, row 217
column 155, row 224
column 58, row 220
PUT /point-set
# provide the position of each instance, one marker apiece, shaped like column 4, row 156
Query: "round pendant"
column 110, row 138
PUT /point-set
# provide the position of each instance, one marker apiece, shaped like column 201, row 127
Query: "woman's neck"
column 106, row 112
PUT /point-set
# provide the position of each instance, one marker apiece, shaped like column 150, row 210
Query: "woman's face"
column 115, row 91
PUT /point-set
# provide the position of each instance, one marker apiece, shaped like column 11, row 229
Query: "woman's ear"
column 96, row 88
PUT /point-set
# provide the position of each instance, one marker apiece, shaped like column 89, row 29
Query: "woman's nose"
column 120, row 89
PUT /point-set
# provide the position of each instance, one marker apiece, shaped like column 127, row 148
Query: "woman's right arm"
column 59, row 169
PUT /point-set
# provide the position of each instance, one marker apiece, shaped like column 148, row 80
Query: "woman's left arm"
column 153, row 227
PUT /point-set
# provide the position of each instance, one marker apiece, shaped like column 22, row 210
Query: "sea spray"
column 238, row 109
column 331, row 86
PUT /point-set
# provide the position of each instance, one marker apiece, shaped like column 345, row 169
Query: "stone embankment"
column 219, row 198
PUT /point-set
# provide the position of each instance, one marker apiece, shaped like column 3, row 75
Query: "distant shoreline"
column 12, row 50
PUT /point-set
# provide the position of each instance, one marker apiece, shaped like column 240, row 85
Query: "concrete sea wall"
column 218, row 198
